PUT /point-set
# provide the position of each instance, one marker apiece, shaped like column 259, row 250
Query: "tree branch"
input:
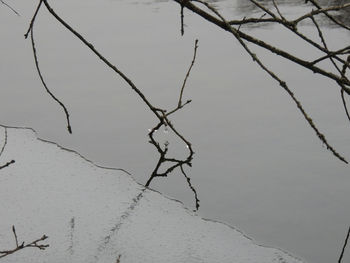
column 20, row 246
column 221, row 22
column 10, row 7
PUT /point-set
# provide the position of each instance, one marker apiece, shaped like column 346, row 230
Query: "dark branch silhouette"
column 5, row 142
column 2, row 150
column 31, row 31
column 19, row 246
column 7, row 164
column 344, row 246
column 10, row 7
column 161, row 114
column 340, row 60
column 212, row 15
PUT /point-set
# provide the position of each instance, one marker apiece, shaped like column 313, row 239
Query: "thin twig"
column 323, row 40
column 344, row 246
column 182, row 17
column 278, row 10
column 332, row 18
column 20, row 246
column 188, row 72
column 163, row 159
column 342, row 51
column 321, row 11
column 346, row 66
column 10, row 7
column 14, row 233
column 43, row 81
column 7, row 164
column 191, row 187
column 5, row 142
column 344, row 103
column 260, row 43
column 240, row 36
column 33, row 19
column 161, row 114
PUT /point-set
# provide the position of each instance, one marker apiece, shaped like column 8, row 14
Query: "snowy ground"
column 94, row 214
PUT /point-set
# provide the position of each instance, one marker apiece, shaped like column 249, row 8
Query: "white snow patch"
column 93, row 214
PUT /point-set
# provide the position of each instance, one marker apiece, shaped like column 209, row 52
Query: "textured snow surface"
column 94, row 214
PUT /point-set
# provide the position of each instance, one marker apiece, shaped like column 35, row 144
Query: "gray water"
column 258, row 166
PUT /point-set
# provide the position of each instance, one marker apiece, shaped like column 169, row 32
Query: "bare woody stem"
column 22, row 245
column 188, row 72
column 10, row 7
column 242, row 38
column 100, row 56
column 344, row 246
column 161, row 114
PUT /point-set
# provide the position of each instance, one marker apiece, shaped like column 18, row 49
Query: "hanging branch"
column 292, row 25
column 260, row 43
column 7, row 164
column 20, row 246
column 163, row 159
column 31, row 31
column 161, row 114
column 190, row 185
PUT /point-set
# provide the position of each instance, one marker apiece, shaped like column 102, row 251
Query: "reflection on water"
column 257, row 165
column 246, row 7
column 243, row 8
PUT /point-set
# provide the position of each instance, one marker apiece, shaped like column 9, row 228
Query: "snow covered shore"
column 94, row 214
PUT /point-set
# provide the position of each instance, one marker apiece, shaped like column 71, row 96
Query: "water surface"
column 258, row 165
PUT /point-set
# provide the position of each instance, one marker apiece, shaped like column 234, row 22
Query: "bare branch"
column 182, row 16
column 163, row 159
column 220, row 21
column 10, row 7
column 5, row 142
column 33, row 19
column 332, row 18
column 99, row 55
column 278, row 10
column 188, row 72
column 44, row 83
column 7, row 164
column 344, row 246
column 191, row 187
column 321, row 11
column 20, row 246
column 344, row 103
column 161, row 114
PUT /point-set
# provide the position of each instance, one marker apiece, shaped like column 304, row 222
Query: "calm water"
column 258, row 166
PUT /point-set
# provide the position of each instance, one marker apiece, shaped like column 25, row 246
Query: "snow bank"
column 94, row 214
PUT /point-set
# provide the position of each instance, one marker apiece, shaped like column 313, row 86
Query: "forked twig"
column 242, row 38
column 163, row 159
column 20, row 246
column 161, row 114
column 190, row 185
column 31, row 30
